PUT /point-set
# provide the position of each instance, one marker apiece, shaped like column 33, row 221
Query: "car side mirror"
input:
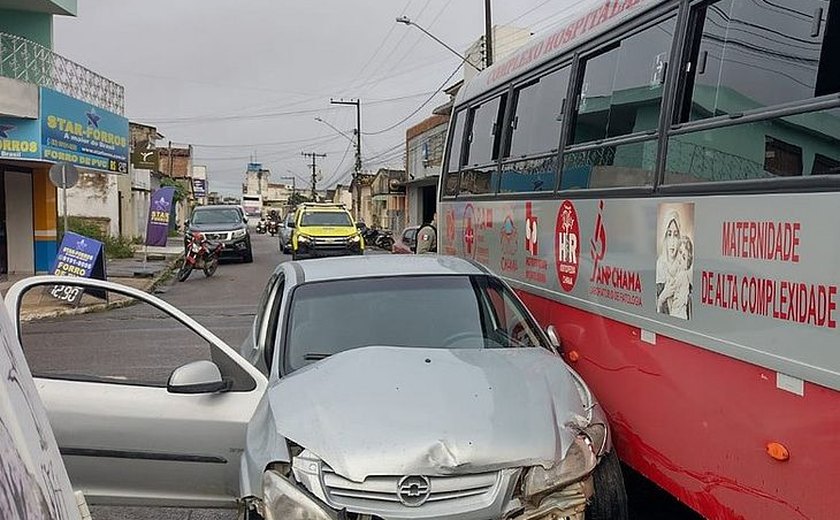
column 292, row 225
column 198, row 377
column 360, row 226
column 554, row 339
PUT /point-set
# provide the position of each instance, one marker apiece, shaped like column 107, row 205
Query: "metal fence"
column 25, row 60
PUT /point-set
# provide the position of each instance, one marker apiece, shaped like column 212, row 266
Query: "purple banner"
column 158, row 227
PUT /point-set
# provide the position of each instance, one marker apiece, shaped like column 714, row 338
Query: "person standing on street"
column 427, row 237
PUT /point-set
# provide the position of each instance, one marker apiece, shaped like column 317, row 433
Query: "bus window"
column 621, row 91
column 752, row 54
column 483, row 135
column 535, row 128
column 614, row 166
column 455, row 149
column 526, row 175
column 803, row 144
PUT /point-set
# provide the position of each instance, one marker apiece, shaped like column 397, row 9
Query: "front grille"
column 330, row 241
column 216, row 236
column 380, row 493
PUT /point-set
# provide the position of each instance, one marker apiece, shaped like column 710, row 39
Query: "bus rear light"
column 778, row 451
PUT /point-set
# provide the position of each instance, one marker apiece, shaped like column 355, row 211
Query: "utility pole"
column 313, row 156
column 358, row 170
column 488, row 35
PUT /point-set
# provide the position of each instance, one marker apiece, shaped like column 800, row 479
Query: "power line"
column 382, row 43
column 172, row 121
column 418, row 109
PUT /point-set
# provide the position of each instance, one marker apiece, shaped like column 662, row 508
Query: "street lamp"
column 407, row 21
column 336, row 129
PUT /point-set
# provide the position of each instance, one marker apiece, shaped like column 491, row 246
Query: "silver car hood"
column 407, row 411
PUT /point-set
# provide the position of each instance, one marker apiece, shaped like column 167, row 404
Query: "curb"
column 149, row 287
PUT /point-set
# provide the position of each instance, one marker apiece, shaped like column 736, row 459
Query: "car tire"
column 248, row 257
column 610, row 499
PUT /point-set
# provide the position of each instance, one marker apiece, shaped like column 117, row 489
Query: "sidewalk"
column 132, row 272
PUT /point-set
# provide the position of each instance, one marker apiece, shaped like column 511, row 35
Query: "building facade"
column 41, row 92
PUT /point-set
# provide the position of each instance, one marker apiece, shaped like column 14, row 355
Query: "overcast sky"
column 241, row 78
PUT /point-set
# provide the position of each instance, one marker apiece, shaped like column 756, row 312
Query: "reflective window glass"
column 804, row 144
column 478, row 181
column 621, row 91
column 529, row 175
column 757, row 53
column 455, row 142
column 536, row 123
column 483, row 142
column 618, row 166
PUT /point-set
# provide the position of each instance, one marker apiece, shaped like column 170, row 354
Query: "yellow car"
column 325, row 230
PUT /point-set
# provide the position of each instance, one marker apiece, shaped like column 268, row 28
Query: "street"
column 225, row 304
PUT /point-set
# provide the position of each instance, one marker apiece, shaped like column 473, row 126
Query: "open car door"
column 148, row 406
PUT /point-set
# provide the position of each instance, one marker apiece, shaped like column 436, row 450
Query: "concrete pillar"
column 19, row 225
column 45, row 212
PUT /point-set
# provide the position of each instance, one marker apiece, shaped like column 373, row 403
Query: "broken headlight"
column 283, row 500
column 579, row 462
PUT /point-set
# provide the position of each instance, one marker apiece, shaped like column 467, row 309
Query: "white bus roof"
column 590, row 19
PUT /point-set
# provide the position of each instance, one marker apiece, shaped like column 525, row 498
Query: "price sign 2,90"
column 67, row 293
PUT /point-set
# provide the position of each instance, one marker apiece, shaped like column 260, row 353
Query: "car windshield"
column 217, row 216
column 452, row 312
column 325, row 218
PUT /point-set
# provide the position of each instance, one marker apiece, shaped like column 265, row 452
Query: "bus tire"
column 610, row 499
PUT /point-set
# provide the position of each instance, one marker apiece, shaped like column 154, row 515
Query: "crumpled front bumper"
column 568, row 503
column 286, row 500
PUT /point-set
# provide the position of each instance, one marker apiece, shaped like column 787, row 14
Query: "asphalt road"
column 141, row 344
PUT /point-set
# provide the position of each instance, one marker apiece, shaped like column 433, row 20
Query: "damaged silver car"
column 423, row 388
column 371, row 387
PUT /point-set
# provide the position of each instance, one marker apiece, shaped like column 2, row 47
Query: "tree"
column 182, row 192
column 296, row 198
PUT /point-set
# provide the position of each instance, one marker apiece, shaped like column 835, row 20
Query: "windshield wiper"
column 315, row 356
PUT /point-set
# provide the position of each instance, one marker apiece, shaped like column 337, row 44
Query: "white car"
column 453, row 404
column 284, row 233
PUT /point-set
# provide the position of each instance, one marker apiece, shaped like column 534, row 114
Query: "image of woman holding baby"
column 673, row 269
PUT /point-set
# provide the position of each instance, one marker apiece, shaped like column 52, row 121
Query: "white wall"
column 19, row 223
column 96, row 195
column 19, row 99
column 425, row 152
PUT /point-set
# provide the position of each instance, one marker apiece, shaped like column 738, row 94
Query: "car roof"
column 217, row 206
column 384, row 265
column 324, row 208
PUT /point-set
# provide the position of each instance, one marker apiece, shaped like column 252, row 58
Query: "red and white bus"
column 659, row 181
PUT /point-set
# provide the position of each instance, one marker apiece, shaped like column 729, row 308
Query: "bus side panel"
column 698, row 423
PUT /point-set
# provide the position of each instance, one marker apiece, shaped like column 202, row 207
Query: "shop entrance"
column 4, row 252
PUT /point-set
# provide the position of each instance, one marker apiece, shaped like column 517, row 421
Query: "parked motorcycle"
column 200, row 254
column 370, row 234
column 384, row 240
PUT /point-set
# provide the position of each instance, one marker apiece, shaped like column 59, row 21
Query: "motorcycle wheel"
column 210, row 267
column 184, row 272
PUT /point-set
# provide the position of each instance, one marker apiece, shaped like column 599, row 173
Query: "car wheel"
column 184, row 272
column 610, row 499
column 249, row 255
